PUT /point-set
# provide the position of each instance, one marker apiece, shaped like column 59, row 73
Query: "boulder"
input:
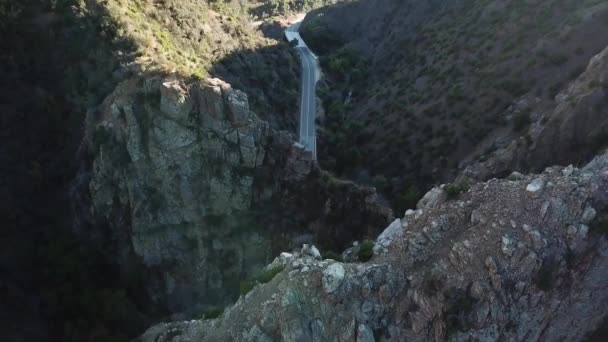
column 432, row 199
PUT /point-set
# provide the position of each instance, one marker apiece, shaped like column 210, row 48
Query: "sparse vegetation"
column 366, row 250
column 262, row 277
column 334, row 256
column 434, row 94
column 455, row 189
column 246, row 286
column 212, row 313
column 267, row 275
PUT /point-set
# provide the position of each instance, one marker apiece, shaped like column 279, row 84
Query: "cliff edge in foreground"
column 517, row 259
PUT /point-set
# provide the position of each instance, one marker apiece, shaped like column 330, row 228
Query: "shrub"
column 366, row 250
column 212, row 313
column 267, row 275
column 410, row 198
column 198, row 74
column 246, row 286
column 334, row 256
column 455, row 189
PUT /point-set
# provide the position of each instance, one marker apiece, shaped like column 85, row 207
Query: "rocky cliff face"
column 198, row 188
column 571, row 130
column 520, row 260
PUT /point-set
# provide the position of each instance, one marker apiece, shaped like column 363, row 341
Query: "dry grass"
column 185, row 37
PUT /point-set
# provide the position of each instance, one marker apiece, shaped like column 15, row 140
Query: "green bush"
column 334, row 256
column 410, row 198
column 366, row 250
column 455, row 189
column 212, row 313
column 267, row 275
column 246, row 286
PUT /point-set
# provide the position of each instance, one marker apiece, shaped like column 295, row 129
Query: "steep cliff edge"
column 204, row 193
column 521, row 260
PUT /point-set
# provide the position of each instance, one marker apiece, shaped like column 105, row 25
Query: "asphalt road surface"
column 308, row 101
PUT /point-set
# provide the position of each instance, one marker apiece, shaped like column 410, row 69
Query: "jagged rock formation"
column 569, row 131
column 204, row 193
column 517, row 260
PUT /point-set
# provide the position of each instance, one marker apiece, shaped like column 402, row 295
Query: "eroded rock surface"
column 525, row 267
column 204, row 193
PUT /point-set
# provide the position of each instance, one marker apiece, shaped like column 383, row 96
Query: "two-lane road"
column 308, row 102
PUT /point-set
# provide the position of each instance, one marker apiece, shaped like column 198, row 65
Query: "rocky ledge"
column 517, row 259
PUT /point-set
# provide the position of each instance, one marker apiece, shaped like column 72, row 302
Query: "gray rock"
column 588, row 215
column 175, row 101
column 238, row 106
column 536, row 185
column 311, row 251
column 333, row 277
column 390, row 234
column 432, row 199
column 514, row 176
column 364, row 334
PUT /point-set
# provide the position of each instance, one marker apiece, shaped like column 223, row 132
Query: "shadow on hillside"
column 270, row 77
column 56, row 64
column 273, row 30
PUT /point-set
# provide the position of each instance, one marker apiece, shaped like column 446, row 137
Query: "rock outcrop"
column 571, row 131
column 503, row 261
column 204, row 193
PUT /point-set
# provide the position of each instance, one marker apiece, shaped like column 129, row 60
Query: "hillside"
column 414, row 88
